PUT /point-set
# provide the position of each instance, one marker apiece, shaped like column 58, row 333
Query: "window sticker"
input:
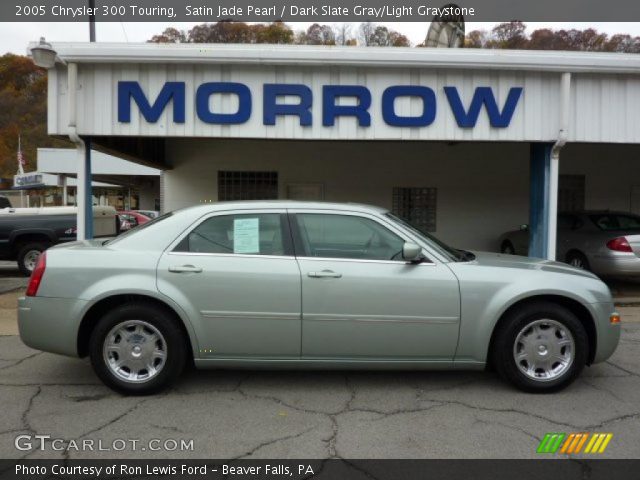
column 246, row 235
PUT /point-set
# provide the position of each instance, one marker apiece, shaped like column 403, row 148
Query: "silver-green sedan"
column 310, row 285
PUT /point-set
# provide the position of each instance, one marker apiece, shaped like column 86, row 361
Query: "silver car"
column 310, row 285
column 604, row 242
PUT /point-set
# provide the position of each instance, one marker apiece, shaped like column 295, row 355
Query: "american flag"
column 21, row 161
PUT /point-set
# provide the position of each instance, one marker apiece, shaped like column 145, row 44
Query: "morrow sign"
column 274, row 104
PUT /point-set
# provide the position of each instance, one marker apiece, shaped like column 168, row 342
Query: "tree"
column 513, row 35
column 379, row 36
column 317, row 34
column 510, row 35
column 343, row 35
column 23, row 112
column 170, row 35
column 476, row 39
column 276, row 32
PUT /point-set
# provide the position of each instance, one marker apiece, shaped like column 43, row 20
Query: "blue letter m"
column 483, row 96
column 151, row 113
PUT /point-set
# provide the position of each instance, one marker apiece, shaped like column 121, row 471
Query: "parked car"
column 606, row 243
column 149, row 213
column 26, row 232
column 131, row 218
column 301, row 284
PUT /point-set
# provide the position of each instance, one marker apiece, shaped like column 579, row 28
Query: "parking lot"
column 261, row 414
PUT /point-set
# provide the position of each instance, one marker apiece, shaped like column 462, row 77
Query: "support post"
column 88, row 204
column 539, row 206
column 65, row 190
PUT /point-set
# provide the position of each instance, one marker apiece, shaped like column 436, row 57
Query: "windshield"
column 442, row 248
column 138, row 228
column 615, row 221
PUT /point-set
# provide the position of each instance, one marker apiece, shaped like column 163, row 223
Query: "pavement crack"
column 586, row 381
column 615, row 365
column 505, row 410
column 121, row 416
column 22, row 360
column 272, row 442
column 25, row 414
column 509, row 427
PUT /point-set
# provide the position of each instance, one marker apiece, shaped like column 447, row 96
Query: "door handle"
column 325, row 274
column 185, row 269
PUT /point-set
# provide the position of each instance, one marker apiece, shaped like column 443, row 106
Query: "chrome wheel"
column 31, row 259
column 508, row 249
column 544, row 350
column 577, row 262
column 135, row 351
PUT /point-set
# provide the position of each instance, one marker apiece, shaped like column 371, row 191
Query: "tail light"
column 619, row 244
column 36, row 275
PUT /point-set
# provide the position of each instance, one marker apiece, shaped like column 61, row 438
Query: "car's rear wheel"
column 578, row 260
column 507, row 248
column 28, row 256
column 541, row 347
column 137, row 349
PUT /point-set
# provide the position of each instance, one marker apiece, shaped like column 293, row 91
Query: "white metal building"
column 468, row 143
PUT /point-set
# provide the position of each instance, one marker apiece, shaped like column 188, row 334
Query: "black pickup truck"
column 24, row 236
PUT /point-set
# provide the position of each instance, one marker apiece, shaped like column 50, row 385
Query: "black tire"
column 578, row 260
column 507, row 248
column 503, row 358
column 24, row 256
column 175, row 349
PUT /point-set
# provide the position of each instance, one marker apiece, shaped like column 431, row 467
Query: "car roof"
column 267, row 204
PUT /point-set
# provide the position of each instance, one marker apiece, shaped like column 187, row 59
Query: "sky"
column 14, row 37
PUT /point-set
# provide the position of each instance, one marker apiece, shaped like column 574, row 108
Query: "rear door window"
column 245, row 234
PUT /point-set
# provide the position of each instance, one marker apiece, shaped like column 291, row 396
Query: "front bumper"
column 50, row 324
column 608, row 334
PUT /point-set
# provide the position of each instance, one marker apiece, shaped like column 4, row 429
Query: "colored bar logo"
column 573, row 443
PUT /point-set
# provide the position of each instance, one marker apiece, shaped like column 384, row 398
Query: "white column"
column 63, row 179
column 563, row 134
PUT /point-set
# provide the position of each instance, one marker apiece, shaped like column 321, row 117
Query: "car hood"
column 487, row 259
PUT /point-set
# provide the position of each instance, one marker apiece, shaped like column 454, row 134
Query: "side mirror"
column 411, row 252
column 524, row 227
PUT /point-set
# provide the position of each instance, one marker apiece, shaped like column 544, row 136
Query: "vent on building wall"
column 247, row 185
column 417, row 206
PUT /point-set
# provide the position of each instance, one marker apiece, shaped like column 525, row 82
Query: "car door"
column 360, row 300
column 236, row 276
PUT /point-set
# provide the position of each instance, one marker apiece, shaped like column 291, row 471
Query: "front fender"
column 486, row 295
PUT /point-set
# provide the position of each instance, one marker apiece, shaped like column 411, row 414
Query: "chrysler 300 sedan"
column 310, row 285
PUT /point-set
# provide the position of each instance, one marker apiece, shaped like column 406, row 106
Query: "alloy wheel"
column 544, row 350
column 135, row 351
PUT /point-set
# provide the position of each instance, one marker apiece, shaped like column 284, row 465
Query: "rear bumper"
column 618, row 265
column 608, row 333
column 50, row 324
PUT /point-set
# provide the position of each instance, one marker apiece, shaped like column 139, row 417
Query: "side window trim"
column 287, row 240
column 301, row 251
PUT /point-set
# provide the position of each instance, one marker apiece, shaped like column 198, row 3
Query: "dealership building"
column 465, row 143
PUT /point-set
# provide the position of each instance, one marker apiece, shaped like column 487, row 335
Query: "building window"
column 247, row 185
column 417, row 206
column 571, row 193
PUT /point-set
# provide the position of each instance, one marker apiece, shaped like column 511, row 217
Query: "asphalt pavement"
column 262, row 414
column 266, row 414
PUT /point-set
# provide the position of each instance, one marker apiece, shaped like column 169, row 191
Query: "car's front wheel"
column 137, row 349
column 540, row 347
